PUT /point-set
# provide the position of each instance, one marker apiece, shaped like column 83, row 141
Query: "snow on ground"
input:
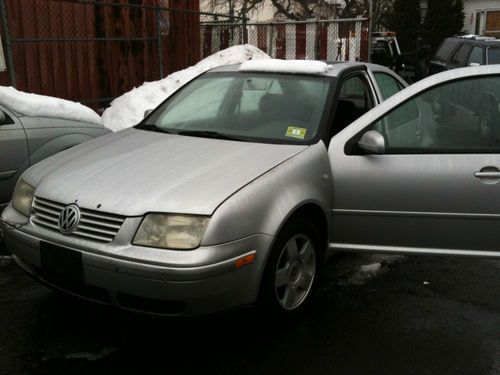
column 34, row 105
column 377, row 266
column 128, row 109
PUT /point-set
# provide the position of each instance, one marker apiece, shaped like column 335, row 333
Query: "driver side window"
column 354, row 100
column 462, row 116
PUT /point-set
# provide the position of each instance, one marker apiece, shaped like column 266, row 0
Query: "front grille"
column 94, row 225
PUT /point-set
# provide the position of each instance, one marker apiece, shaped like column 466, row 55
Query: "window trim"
column 400, row 86
column 482, row 53
column 363, row 71
column 457, row 63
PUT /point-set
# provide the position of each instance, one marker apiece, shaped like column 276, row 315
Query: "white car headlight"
column 171, row 231
column 23, row 197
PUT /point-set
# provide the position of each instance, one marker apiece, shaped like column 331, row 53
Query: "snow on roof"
column 128, row 109
column 285, row 66
column 34, row 105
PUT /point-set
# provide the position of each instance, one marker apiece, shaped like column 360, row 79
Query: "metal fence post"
column 8, row 46
column 159, row 41
column 370, row 25
column 244, row 24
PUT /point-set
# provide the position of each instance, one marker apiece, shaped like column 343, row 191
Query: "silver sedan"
column 233, row 190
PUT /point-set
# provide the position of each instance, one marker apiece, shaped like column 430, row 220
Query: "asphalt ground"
column 416, row 315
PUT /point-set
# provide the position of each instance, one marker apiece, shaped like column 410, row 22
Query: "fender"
column 264, row 205
column 57, row 144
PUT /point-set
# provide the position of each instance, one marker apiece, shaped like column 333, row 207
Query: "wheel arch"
column 315, row 214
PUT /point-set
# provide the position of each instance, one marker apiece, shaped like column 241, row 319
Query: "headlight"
column 23, row 197
column 171, row 231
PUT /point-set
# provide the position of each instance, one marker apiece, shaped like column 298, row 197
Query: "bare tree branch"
column 298, row 10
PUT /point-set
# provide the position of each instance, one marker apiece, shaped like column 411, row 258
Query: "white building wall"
column 471, row 8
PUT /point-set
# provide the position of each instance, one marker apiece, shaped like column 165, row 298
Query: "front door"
column 436, row 188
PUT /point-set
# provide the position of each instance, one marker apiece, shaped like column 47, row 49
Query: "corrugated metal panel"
column 83, row 51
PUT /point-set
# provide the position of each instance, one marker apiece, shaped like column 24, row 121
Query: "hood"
column 135, row 171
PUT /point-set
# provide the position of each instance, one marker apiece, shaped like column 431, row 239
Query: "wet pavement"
column 413, row 315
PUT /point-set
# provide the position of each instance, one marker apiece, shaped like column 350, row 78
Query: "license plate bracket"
column 61, row 261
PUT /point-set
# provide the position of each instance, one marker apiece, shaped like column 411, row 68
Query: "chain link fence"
column 93, row 51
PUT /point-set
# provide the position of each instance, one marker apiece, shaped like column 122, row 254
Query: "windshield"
column 246, row 106
column 493, row 56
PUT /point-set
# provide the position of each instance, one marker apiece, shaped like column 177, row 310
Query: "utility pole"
column 370, row 26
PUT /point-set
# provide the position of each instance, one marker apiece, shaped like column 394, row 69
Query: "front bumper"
column 153, row 287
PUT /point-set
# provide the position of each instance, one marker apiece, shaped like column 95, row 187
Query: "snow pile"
column 34, row 105
column 285, row 66
column 379, row 265
column 128, row 109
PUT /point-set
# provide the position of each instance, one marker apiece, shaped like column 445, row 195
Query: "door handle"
column 7, row 174
column 487, row 174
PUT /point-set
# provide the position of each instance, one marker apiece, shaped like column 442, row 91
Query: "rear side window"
column 460, row 56
column 387, row 84
column 445, row 50
column 476, row 56
column 494, row 56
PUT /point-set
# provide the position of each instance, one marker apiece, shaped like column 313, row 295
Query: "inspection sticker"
column 294, row 132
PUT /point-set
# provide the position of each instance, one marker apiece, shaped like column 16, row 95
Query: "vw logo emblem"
column 69, row 218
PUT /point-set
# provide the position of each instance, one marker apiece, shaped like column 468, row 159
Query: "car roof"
column 476, row 40
column 337, row 68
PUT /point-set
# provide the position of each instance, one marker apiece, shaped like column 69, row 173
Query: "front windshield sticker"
column 294, row 132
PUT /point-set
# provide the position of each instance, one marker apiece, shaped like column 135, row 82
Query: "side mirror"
column 147, row 112
column 373, row 142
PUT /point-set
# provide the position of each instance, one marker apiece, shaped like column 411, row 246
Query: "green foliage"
column 405, row 21
column 444, row 18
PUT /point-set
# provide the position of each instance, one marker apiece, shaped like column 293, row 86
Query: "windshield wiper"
column 209, row 134
column 152, row 127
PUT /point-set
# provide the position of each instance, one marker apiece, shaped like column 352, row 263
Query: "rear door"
column 436, row 187
column 14, row 156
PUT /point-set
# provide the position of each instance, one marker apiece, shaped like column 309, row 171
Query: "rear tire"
column 292, row 268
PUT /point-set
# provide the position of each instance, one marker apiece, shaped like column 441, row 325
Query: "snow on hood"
column 34, row 105
column 128, row 109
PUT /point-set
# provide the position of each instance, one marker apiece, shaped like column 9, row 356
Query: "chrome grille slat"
column 102, row 217
column 46, row 210
column 94, row 225
column 99, row 224
column 52, row 219
column 93, row 236
column 44, row 202
column 49, row 225
column 87, row 228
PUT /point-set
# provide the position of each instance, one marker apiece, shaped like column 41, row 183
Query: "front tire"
column 292, row 267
